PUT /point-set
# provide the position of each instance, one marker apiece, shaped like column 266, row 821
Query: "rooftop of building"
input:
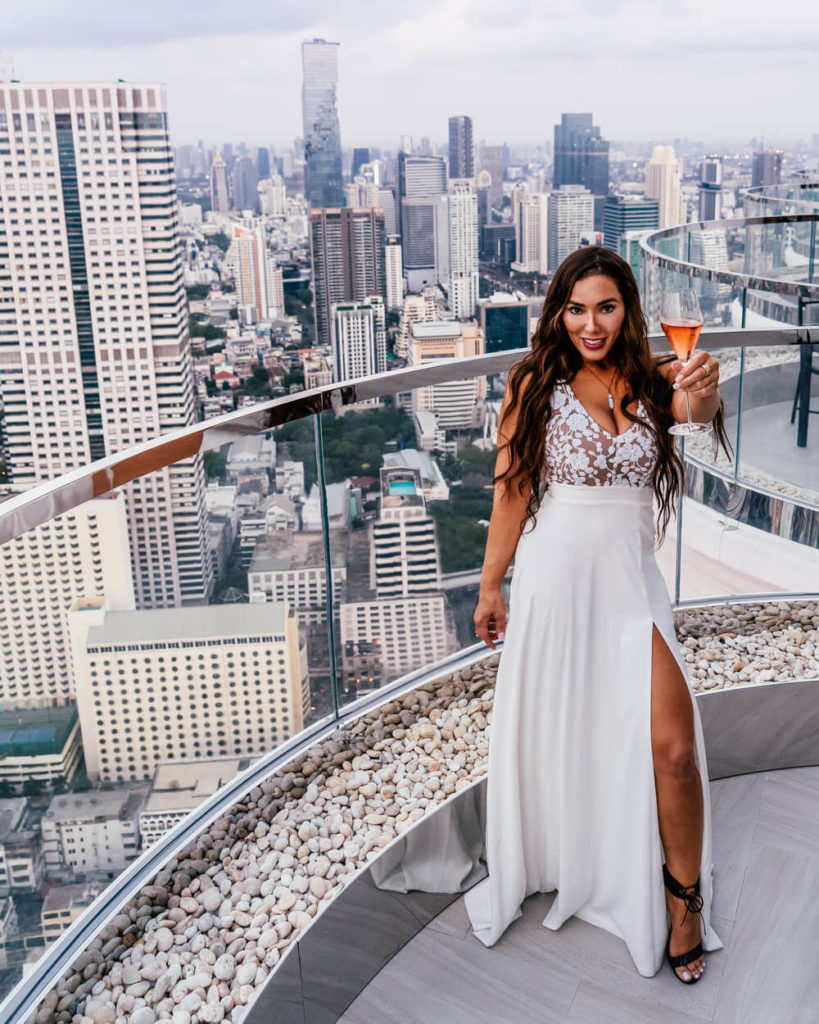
column 412, row 458
column 182, row 785
column 95, row 804
column 63, row 897
column 12, row 810
column 37, row 732
column 436, row 329
column 286, row 549
column 194, row 623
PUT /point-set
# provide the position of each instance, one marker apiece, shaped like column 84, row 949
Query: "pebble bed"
column 194, row 946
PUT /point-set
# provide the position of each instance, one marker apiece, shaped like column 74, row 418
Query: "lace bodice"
column 579, row 451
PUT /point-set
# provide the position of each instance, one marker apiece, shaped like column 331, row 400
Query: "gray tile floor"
column 766, row 911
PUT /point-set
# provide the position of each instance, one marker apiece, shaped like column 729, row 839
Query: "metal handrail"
column 23, row 511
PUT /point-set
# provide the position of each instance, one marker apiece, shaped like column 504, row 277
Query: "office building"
column 767, row 167
column 405, row 555
column 581, row 157
column 322, row 134
column 84, row 552
column 21, row 855
column 416, row 309
column 394, row 273
column 245, row 179
column 258, row 279
column 710, row 188
column 386, row 200
column 347, row 248
column 498, row 242
column 627, row 213
column 41, row 746
column 361, row 193
column 94, row 833
column 663, row 184
column 215, row 681
column 359, row 338
column 507, row 320
column 422, row 186
column 461, row 148
column 288, row 566
column 531, row 213
column 454, row 402
column 361, row 156
column 219, row 192
column 571, row 222
column 62, row 906
column 263, row 162
column 463, row 249
column 491, row 166
column 272, row 196
column 95, row 317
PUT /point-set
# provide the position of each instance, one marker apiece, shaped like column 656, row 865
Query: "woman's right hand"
column 490, row 617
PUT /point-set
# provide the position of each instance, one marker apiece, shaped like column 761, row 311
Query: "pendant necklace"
column 606, row 386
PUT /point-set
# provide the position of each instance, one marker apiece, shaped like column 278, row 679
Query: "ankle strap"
column 689, row 894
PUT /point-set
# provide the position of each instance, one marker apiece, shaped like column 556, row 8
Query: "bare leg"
column 679, row 792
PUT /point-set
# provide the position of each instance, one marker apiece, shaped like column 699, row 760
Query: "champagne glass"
column 681, row 321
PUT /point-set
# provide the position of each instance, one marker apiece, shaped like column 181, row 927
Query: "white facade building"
column 394, row 271
column 454, row 402
column 359, row 338
column 259, row 287
column 94, row 317
column 94, row 833
column 404, row 554
column 213, row 681
column 571, row 222
column 532, row 233
column 82, row 553
column 417, row 309
column 272, row 196
column 463, row 248
column 663, row 184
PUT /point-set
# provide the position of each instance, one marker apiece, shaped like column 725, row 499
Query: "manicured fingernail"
column 676, row 386
column 678, row 378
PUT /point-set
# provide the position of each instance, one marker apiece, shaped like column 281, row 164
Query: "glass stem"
column 687, row 399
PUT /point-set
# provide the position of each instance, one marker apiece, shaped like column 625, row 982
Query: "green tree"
column 198, row 292
column 233, row 314
column 484, row 288
column 207, row 331
column 215, row 463
column 221, row 240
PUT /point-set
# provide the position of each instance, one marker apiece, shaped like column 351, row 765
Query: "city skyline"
column 416, row 69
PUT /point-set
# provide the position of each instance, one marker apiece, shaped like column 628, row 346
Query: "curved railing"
column 336, row 614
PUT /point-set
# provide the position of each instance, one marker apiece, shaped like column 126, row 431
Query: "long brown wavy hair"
column 553, row 357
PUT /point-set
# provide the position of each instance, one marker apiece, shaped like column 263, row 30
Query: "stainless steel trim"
column 767, row 194
column 23, row 511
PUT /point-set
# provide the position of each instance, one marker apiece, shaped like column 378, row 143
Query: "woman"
column 597, row 783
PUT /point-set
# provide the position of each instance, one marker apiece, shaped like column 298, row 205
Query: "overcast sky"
column 715, row 70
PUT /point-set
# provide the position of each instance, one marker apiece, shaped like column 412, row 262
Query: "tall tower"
column 394, row 271
column 582, row 158
column 219, row 196
column 571, row 222
column 259, row 283
column 322, row 135
column 94, row 324
column 532, row 233
column 710, row 188
column 348, row 259
column 627, row 213
column 767, row 167
column 463, row 249
column 359, row 337
column 461, row 149
column 663, row 184
column 245, row 179
column 422, row 186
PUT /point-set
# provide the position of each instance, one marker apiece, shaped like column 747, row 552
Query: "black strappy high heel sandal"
column 690, row 895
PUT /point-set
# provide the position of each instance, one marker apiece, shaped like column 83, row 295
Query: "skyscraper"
column 361, row 156
column 767, row 167
column 582, row 158
column 95, row 321
column 394, row 271
column 219, row 194
column 531, row 233
column 663, row 184
column 710, row 188
column 571, row 222
column 259, row 284
column 263, row 162
column 347, row 247
column 245, row 179
column 359, row 338
column 492, row 163
column 463, row 248
column 422, row 185
column 461, row 149
column 322, row 135
column 627, row 213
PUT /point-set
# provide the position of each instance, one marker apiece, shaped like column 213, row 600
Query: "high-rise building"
column 322, row 135
column 463, row 248
column 259, row 284
column 347, row 248
column 422, row 185
column 506, row 320
column 627, row 213
column 571, row 222
column 361, row 156
column 263, row 162
column 461, row 148
column 219, row 194
column 359, row 338
column 710, row 188
column 491, row 160
column 405, row 549
column 416, row 309
column 663, row 184
column 361, row 193
column 94, row 323
column 454, row 402
column 245, row 180
column 386, row 199
column 767, row 167
column 220, row 680
column 581, row 157
column 531, row 212
column 272, row 197
column 394, row 271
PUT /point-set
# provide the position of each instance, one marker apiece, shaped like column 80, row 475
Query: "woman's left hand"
column 700, row 377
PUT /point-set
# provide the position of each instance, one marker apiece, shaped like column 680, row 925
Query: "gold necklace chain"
column 606, row 386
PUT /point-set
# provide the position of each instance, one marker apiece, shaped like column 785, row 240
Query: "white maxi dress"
column 571, row 801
